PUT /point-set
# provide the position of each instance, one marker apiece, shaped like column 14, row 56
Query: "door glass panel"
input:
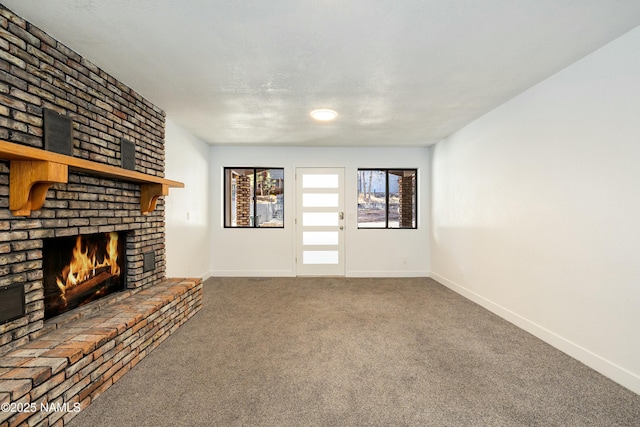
column 320, row 257
column 320, row 238
column 319, row 200
column 320, row 181
column 319, row 222
column 319, row 219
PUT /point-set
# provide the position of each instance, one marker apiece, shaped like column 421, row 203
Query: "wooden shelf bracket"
column 149, row 194
column 29, row 181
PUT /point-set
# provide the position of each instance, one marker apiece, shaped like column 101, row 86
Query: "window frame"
column 228, row 198
column 386, row 226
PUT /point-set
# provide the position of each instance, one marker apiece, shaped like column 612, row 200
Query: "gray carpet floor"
column 355, row 352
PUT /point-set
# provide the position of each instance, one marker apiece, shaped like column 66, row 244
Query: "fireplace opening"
column 81, row 269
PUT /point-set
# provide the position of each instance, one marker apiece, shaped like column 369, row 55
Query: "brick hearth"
column 55, row 376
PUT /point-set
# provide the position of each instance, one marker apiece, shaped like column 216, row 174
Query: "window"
column 387, row 198
column 254, row 197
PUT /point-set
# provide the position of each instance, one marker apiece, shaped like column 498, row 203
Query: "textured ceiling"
column 399, row 72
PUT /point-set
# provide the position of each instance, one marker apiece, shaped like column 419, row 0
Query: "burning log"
column 87, row 285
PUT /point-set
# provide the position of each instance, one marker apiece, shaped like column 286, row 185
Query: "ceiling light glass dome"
column 324, row 114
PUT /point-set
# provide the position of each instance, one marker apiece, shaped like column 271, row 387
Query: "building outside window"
column 387, row 198
column 253, row 197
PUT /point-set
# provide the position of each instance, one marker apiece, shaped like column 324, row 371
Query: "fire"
column 85, row 263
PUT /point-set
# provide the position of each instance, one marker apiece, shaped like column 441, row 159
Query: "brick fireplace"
column 38, row 74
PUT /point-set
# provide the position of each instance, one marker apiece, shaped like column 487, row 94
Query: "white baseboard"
column 252, row 273
column 394, row 273
column 290, row 273
column 605, row 367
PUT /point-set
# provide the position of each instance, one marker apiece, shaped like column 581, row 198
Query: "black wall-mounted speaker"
column 148, row 261
column 128, row 154
column 58, row 131
column 11, row 302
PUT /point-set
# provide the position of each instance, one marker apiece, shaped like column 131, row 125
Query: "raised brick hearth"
column 68, row 359
column 51, row 379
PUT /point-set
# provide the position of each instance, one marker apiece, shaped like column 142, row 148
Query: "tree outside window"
column 387, row 198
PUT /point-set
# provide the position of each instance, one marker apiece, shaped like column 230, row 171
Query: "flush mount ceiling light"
column 324, row 114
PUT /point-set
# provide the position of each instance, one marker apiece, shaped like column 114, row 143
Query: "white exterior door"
column 320, row 222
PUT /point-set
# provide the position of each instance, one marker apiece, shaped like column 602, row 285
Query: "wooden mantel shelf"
column 32, row 171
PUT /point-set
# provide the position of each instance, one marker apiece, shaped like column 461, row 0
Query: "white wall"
column 187, row 209
column 271, row 252
column 536, row 210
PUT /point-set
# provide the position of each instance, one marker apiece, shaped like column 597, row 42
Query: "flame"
column 84, row 263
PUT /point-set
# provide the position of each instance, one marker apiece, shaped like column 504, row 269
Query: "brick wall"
column 406, row 187
column 38, row 72
column 243, row 201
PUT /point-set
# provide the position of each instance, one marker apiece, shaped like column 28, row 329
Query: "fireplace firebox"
column 81, row 269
